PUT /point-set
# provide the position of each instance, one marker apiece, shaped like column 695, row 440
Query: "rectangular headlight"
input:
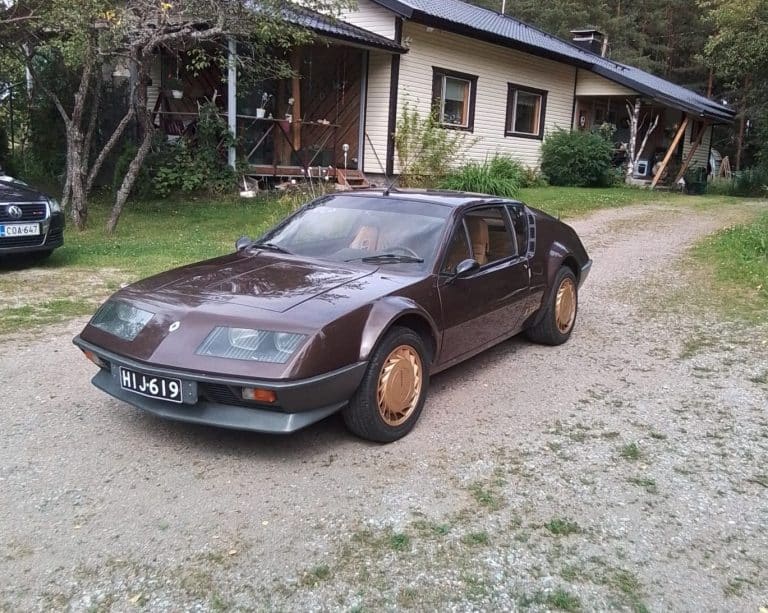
column 256, row 345
column 121, row 319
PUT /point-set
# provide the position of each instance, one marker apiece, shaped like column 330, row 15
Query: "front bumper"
column 52, row 237
column 299, row 403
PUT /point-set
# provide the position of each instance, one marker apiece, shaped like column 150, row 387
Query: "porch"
column 679, row 142
column 309, row 125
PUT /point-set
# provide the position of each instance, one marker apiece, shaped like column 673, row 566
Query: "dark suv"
column 30, row 221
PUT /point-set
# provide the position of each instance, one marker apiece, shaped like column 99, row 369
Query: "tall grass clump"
column 500, row 176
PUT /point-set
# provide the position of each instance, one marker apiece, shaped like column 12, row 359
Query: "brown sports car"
column 350, row 304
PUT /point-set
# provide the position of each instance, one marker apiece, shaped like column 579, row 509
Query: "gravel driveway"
column 627, row 469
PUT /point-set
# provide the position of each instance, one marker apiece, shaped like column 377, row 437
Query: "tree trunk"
column 76, row 177
column 742, row 124
column 147, row 130
column 634, row 116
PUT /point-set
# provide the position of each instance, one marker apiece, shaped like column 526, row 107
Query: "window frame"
column 459, row 224
column 512, row 89
column 438, row 96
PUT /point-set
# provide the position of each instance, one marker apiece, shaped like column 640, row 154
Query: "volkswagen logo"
column 14, row 212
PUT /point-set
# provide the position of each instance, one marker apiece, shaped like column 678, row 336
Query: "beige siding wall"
column 590, row 84
column 153, row 91
column 495, row 67
column 372, row 17
column 377, row 112
column 701, row 157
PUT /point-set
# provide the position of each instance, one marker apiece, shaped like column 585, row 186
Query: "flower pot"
column 260, row 113
column 177, row 94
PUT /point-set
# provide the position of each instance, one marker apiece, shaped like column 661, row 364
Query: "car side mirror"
column 243, row 243
column 466, row 267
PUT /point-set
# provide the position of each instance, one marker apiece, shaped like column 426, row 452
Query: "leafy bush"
column 577, row 159
column 750, row 182
column 195, row 164
column 426, row 150
column 501, row 176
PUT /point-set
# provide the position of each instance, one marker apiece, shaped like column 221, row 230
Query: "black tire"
column 548, row 331
column 363, row 415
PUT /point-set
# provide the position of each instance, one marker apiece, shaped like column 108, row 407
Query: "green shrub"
column 194, row 164
column 501, row 176
column 577, row 159
column 750, row 182
column 426, row 150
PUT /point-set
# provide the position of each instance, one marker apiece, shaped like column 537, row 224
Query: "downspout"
column 363, row 112
column 394, row 85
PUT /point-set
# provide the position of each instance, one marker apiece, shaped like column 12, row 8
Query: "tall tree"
column 738, row 52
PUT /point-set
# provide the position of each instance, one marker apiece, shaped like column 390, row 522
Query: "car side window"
column 489, row 234
column 458, row 250
column 520, row 223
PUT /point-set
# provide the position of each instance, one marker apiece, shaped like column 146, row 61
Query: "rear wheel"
column 390, row 398
column 559, row 317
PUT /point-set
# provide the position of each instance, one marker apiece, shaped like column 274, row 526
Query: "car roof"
column 432, row 196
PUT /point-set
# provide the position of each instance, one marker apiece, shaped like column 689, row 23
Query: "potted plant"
column 261, row 112
column 176, row 87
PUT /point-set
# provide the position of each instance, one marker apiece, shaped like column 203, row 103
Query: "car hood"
column 270, row 282
column 15, row 191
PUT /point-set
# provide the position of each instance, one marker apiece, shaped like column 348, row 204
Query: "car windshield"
column 374, row 230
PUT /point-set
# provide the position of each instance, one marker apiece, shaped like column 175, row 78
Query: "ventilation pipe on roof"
column 591, row 39
column 503, row 6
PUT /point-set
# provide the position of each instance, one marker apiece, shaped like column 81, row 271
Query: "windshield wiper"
column 271, row 247
column 386, row 258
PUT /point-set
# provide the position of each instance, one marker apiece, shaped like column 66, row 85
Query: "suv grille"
column 32, row 211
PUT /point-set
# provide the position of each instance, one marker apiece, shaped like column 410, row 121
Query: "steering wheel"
column 402, row 249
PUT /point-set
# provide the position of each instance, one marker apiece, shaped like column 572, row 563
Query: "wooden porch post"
column 232, row 99
column 670, row 151
column 694, row 147
column 296, row 95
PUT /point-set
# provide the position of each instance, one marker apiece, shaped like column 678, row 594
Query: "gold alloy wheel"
column 399, row 388
column 565, row 305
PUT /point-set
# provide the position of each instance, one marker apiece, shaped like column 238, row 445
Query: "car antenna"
column 391, row 185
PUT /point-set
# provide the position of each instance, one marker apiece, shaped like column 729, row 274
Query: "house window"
column 454, row 98
column 525, row 111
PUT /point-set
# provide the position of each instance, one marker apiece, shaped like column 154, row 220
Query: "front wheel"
column 559, row 316
column 390, row 398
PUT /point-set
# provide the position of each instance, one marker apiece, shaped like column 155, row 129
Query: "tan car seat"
column 366, row 239
column 478, row 234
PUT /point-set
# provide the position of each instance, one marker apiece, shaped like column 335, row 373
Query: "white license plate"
column 19, row 229
column 153, row 387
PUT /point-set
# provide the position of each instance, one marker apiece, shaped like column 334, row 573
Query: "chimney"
column 591, row 39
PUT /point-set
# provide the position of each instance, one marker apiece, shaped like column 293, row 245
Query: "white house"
column 506, row 83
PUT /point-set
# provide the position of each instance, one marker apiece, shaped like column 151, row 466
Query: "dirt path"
column 626, row 469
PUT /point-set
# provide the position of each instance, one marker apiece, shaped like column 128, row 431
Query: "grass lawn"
column 739, row 256
column 157, row 235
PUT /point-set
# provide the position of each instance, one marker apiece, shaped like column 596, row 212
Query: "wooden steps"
column 352, row 179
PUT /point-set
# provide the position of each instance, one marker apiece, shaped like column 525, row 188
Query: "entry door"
column 490, row 303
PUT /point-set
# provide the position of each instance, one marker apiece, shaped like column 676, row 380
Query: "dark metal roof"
column 462, row 18
column 336, row 29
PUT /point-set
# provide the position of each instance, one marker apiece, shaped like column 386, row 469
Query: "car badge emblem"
column 174, row 326
column 14, row 212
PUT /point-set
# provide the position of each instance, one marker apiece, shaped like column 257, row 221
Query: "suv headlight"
column 121, row 319
column 54, row 205
column 246, row 344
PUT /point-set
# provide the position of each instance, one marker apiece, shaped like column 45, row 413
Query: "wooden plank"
column 670, row 151
column 692, row 152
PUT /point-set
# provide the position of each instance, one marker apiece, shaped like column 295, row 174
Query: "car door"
column 488, row 304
